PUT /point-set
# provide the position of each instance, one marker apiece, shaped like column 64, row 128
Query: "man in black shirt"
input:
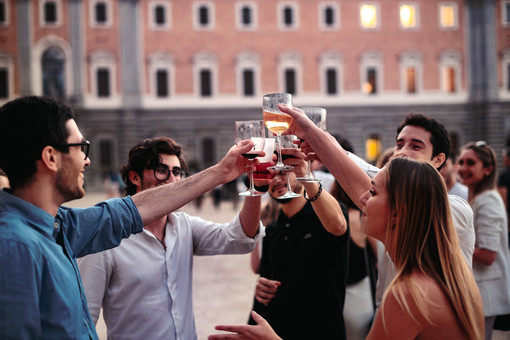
column 303, row 268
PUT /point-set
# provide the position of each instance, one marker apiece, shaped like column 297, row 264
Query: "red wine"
column 285, row 156
column 250, row 155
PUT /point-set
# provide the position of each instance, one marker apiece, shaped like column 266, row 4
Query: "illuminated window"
column 411, row 66
column 448, row 16
column 450, row 71
column 373, row 148
column 370, row 84
column 408, row 17
column 449, row 75
column 411, row 80
column 369, row 16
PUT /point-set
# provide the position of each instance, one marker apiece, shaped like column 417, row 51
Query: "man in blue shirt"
column 44, row 156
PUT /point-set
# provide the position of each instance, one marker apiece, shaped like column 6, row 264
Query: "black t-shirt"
column 311, row 264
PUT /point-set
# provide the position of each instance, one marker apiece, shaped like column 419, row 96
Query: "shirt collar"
column 27, row 212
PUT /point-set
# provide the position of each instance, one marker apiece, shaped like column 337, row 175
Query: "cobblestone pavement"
column 223, row 285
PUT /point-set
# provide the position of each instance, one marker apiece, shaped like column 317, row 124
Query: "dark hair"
column 27, row 126
column 438, row 133
column 146, row 155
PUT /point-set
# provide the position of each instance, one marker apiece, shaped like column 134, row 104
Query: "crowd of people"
column 401, row 250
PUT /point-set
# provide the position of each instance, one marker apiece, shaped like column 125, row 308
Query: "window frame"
column 331, row 60
column 504, row 7
column 281, row 16
column 210, row 26
column 167, row 25
column 378, row 16
column 253, row 26
column 290, row 60
column 6, row 22
column 322, row 19
column 109, row 14
column 58, row 13
column 417, row 16
column 455, row 18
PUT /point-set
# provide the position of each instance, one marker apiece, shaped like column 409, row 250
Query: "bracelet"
column 314, row 198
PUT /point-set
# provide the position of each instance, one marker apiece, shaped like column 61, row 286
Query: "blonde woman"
column 477, row 170
column 434, row 294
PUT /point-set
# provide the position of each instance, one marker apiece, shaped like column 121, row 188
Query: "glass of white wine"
column 253, row 130
column 288, row 143
column 277, row 122
column 318, row 116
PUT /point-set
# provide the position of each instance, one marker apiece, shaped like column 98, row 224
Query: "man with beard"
column 150, row 273
column 44, row 155
column 303, row 268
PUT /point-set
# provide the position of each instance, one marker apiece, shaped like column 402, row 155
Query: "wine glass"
column 287, row 143
column 254, row 130
column 277, row 122
column 318, row 116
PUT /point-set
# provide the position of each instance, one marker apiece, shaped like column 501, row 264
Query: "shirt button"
column 287, row 225
column 56, row 225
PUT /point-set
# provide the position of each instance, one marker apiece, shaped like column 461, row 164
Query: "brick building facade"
column 135, row 69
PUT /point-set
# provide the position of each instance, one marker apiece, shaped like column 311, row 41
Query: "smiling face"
column 375, row 215
column 147, row 180
column 414, row 142
column 471, row 168
column 69, row 177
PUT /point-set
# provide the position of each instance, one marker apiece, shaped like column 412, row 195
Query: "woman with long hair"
column 477, row 170
column 434, row 294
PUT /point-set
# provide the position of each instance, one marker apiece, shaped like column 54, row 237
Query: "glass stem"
column 308, row 172
column 289, row 189
column 252, row 186
column 280, row 162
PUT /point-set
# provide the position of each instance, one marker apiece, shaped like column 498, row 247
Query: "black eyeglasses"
column 85, row 146
column 162, row 172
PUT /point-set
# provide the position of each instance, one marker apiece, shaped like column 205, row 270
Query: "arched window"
column 52, row 66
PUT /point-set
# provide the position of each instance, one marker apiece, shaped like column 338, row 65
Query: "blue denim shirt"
column 41, row 293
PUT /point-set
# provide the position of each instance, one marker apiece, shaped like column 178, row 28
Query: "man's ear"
column 134, row 177
column 438, row 160
column 50, row 158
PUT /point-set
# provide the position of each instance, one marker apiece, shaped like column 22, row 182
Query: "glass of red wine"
column 253, row 130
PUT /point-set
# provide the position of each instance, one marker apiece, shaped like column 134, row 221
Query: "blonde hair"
column 427, row 242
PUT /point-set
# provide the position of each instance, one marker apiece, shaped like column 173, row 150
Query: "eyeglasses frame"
column 85, row 147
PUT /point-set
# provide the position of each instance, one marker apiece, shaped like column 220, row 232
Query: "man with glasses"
column 44, row 155
column 151, row 273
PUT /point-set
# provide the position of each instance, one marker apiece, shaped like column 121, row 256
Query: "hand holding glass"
column 253, row 130
column 318, row 116
column 277, row 122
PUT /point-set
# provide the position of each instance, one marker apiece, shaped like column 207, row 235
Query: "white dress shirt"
column 146, row 290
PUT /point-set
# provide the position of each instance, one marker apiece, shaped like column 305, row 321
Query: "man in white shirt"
column 418, row 137
column 145, row 285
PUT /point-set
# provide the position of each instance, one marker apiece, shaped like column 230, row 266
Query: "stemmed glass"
column 277, row 122
column 254, row 130
column 287, row 143
column 318, row 116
